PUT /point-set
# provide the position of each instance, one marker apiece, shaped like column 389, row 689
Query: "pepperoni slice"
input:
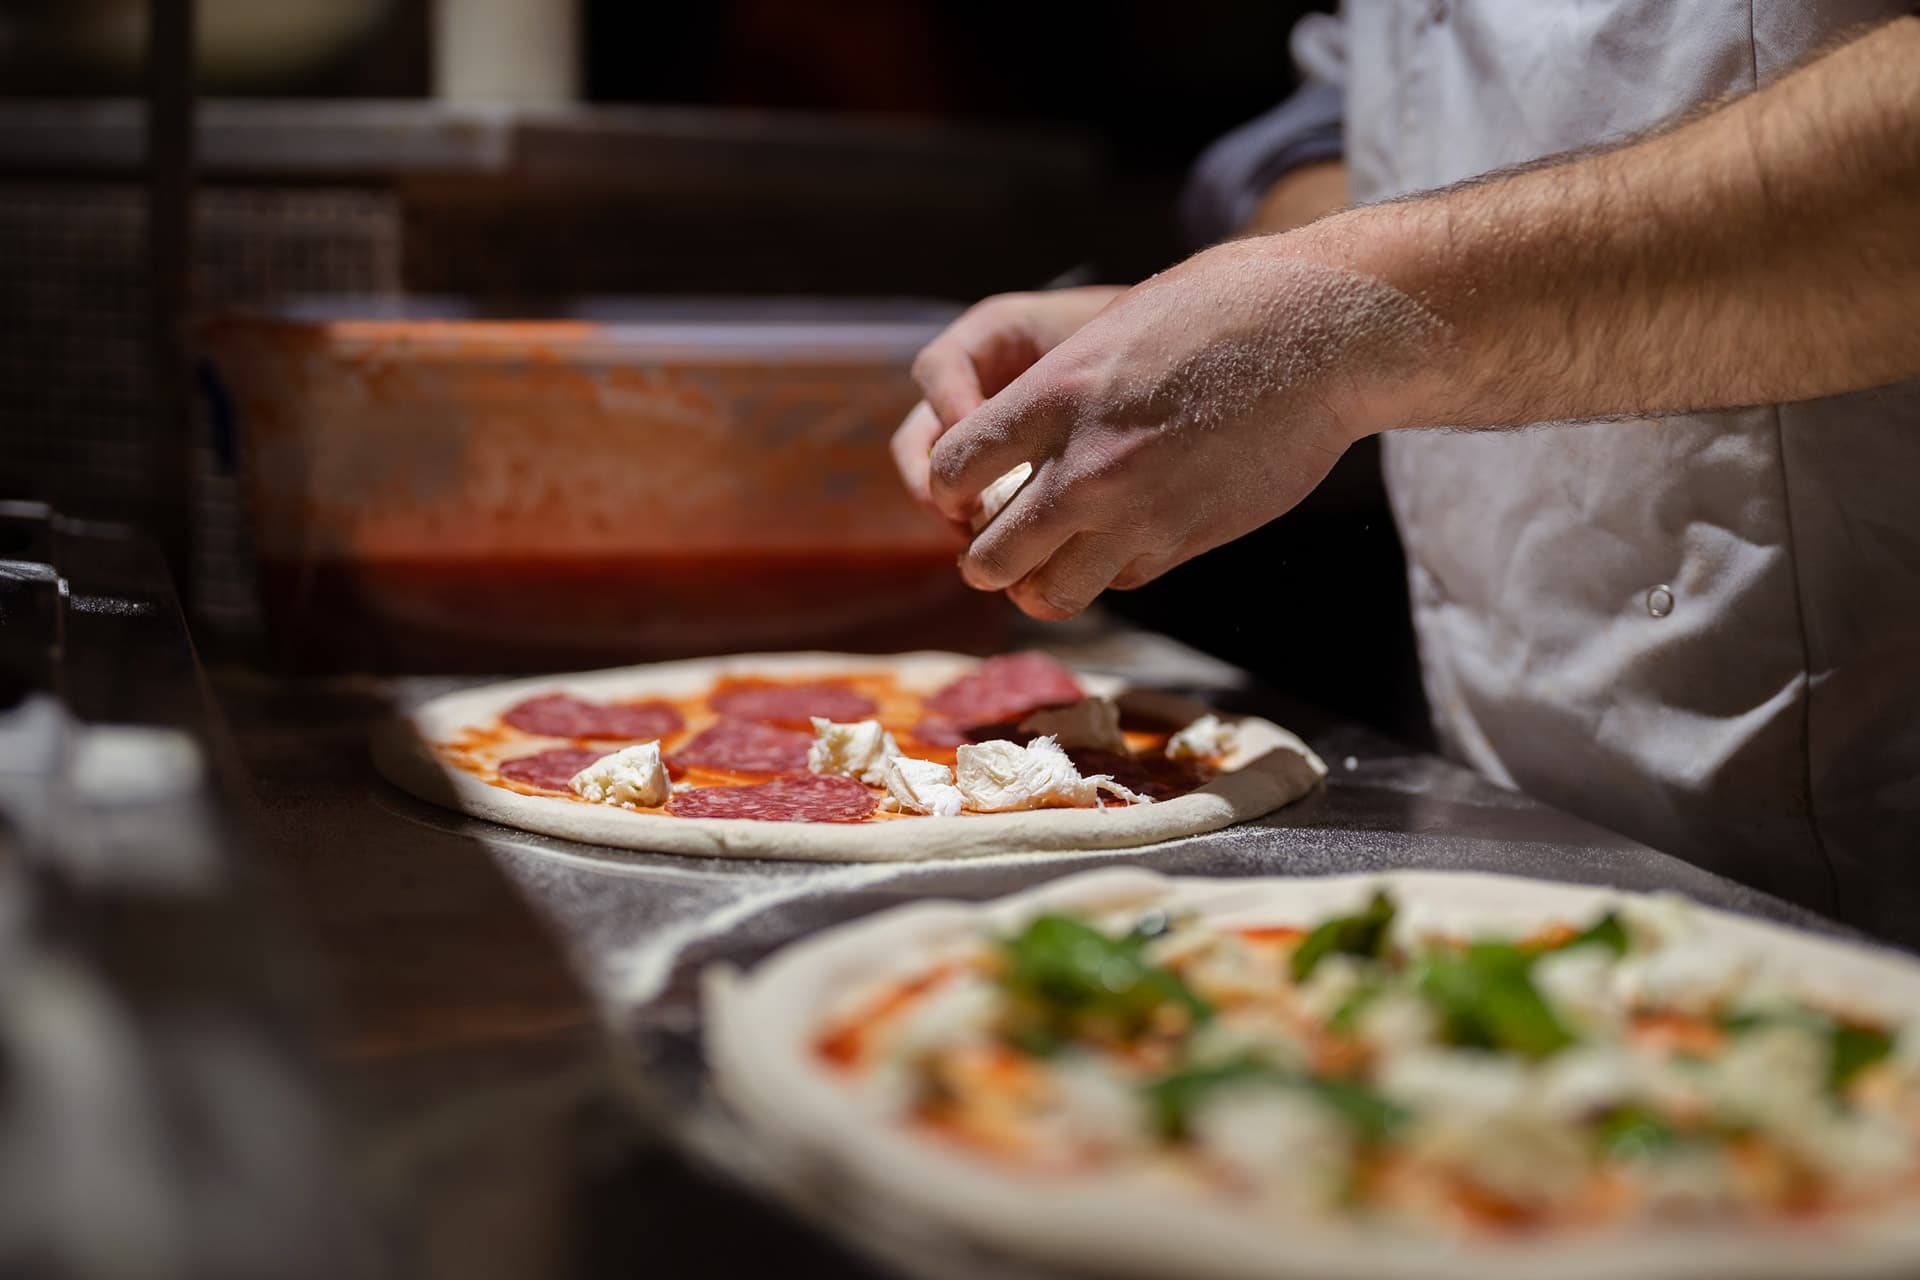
column 745, row 746
column 807, row 798
column 1155, row 776
column 560, row 715
column 792, row 704
column 550, row 770
column 1004, row 689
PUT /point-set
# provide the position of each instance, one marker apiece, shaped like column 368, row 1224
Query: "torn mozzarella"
column 858, row 750
column 1205, row 737
column 1292, row 1147
column 1090, row 722
column 632, row 775
column 995, row 497
column 920, row 786
column 996, row 777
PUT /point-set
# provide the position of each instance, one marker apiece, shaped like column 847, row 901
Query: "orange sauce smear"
column 845, row 1045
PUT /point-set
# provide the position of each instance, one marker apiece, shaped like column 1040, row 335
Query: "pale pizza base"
column 1269, row 768
column 821, row 1134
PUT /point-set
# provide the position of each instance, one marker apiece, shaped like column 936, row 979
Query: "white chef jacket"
column 1703, row 630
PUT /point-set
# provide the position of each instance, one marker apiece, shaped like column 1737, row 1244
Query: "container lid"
column 744, row 328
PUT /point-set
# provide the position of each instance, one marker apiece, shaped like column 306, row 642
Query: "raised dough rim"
column 1270, row 769
column 758, row 1028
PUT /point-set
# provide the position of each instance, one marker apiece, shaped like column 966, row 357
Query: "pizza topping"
column 560, row 715
column 995, row 497
column 1065, row 979
column 1003, row 689
column 1359, row 1065
column 1090, row 722
column 859, row 750
column 941, row 731
column 791, row 705
column 745, row 746
column 633, row 775
column 806, row 798
column 996, row 777
column 1153, row 776
column 1207, row 738
column 920, row 786
column 550, row 770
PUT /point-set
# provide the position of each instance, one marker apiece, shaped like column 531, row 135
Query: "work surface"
column 516, row 1018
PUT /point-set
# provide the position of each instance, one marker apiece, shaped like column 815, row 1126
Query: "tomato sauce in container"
column 616, row 483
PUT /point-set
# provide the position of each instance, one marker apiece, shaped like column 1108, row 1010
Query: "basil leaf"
column 1854, row 1049
column 1174, row 1099
column 1373, row 1117
column 1486, row 1000
column 1064, row 977
column 1606, row 932
column 1345, row 1019
column 1364, row 934
column 1631, row 1130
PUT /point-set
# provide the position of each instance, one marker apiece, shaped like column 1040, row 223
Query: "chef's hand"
column 1191, row 410
column 976, row 356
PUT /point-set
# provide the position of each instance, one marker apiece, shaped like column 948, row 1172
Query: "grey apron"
column 1702, row 631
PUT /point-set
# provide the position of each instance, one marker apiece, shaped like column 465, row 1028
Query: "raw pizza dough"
column 1269, row 767
column 762, row 1031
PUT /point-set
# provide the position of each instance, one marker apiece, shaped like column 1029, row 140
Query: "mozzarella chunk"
column 858, row 750
column 1459, row 1081
column 920, row 786
column 1294, row 1148
column 1578, row 983
column 633, row 775
column 1090, row 722
column 995, row 497
column 1207, row 736
column 996, row 777
column 1091, row 1107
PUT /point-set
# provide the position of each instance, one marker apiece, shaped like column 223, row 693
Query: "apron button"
column 1660, row 601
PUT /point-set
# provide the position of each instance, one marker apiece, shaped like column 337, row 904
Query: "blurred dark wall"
column 1153, row 80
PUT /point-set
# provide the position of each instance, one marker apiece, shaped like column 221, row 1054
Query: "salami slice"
column 560, row 715
column 551, row 770
column 746, row 746
column 806, row 798
column 1154, row 776
column 792, row 704
column 1005, row 688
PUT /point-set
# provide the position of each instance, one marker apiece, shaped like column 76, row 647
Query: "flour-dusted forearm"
column 1766, row 251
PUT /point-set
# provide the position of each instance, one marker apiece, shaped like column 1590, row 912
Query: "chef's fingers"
column 979, row 354
column 948, row 378
column 1028, row 530
column 993, row 440
column 1074, row 576
column 912, row 446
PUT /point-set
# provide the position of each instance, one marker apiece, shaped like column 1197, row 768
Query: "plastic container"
column 434, row 489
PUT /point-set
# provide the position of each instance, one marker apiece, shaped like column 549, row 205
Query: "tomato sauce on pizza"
column 740, row 747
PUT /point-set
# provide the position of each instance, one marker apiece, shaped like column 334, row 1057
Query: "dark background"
column 1314, row 602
